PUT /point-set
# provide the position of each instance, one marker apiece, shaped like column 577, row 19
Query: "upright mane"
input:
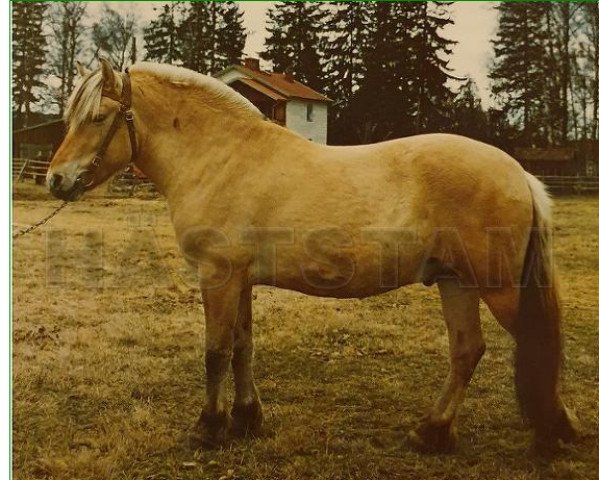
column 84, row 103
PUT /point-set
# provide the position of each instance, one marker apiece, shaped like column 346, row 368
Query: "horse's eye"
column 100, row 118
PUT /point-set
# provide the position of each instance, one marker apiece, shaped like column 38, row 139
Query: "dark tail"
column 537, row 329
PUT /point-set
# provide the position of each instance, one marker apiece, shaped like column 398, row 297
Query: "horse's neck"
column 184, row 142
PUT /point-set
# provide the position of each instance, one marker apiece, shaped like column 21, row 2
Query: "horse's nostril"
column 55, row 181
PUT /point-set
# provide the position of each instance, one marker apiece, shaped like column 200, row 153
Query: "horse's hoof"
column 567, row 427
column 248, row 420
column 430, row 438
column 211, row 431
column 545, row 447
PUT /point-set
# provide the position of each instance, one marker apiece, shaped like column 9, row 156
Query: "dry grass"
column 108, row 377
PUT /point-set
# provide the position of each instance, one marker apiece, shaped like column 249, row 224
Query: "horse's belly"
column 340, row 274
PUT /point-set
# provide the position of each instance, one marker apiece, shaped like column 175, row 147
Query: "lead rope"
column 31, row 228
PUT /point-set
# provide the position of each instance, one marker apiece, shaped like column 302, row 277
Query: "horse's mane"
column 84, row 103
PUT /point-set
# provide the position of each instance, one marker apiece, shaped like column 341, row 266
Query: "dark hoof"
column 431, row 438
column 247, row 420
column 567, row 427
column 211, row 431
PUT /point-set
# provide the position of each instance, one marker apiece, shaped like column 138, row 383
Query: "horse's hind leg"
column 247, row 409
column 466, row 346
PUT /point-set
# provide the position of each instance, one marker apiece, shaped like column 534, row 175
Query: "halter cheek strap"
column 127, row 115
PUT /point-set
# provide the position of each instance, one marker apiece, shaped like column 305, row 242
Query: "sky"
column 475, row 26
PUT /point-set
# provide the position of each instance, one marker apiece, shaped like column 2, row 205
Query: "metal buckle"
column 96, row 161
column 128, row 115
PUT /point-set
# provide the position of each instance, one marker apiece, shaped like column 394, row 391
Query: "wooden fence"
column 29, row 168
column 571, row 184
column 125, row 184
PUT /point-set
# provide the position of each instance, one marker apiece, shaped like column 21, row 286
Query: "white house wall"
column 296, row 120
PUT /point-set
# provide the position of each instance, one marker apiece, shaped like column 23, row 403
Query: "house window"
column 310, row 112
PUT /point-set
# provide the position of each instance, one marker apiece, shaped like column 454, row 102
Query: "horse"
column 253, row 203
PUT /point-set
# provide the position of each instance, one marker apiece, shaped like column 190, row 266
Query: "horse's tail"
column 537, row 328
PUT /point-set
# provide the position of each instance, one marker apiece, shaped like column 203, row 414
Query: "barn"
column 574, row 168
column 33, row 147
column 281, row 98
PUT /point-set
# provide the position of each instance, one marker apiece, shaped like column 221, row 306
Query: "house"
column 281, row 98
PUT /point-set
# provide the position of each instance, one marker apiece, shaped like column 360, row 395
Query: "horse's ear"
column 107, row 73
column 81, row 69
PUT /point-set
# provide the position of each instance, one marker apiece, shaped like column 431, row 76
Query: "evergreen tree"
column 384, row 97
column 406, row 70
column 294, row 37
column 520, row 68
column 193, row 36
column 28, row 55
column 161, row 36
column 431, row 53
column 348, row 32
column 348, row 27
column 469, row 118
column 212, row 35
column 231, row 36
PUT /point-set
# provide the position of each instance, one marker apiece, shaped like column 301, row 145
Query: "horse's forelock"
column 84, row 102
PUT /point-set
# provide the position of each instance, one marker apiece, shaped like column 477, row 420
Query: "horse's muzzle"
column 74, row 192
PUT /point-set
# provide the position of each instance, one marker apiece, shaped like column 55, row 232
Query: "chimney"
column 252, row 64
column 288, row 75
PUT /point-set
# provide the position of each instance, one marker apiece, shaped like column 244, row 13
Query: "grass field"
column 108, row 372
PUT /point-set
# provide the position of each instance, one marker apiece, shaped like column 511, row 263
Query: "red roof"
column 269, row 92
column 279, row 82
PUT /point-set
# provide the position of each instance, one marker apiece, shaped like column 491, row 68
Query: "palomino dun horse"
column 253, row 203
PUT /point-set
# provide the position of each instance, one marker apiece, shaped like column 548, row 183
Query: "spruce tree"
column 430, row 65
column 347, row 26
column 161, row 36
column 348, row 32
column 520, row 69
column 401, row 86
column 28, row 55
column 386, row 98
column 212, row 35
column 193, row 36
column 469, row 118
column 231, row 36
column 294, row 38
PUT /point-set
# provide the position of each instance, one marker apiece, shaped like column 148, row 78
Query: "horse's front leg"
column 247, row 409
column 221, row 305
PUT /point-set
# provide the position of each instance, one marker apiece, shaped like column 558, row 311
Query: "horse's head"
column 100, row 139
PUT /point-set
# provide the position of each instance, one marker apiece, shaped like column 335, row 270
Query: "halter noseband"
column 127, row 115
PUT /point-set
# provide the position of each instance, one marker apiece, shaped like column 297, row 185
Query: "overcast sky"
column 475, row 25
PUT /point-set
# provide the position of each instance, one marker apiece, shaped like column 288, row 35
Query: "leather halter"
column 127, row 115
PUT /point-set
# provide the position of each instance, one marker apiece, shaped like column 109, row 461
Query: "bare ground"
column 108, row 375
